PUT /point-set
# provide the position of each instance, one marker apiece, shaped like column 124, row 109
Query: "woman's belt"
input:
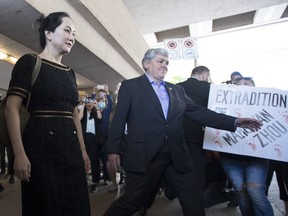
column 51, row 113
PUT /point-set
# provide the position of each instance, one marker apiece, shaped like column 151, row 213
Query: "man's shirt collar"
column 153, row 81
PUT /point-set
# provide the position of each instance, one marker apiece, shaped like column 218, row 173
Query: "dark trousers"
column 150, row 196
column 104, row 158
column 281, row 170
column 2, row 161
column 198, row 156
column 185, row 186
column 215, row 193
column 94, row 155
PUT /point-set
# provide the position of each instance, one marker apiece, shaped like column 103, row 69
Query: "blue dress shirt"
column 162, row 94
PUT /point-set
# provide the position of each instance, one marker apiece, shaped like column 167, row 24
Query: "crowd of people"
column 95, row 112
column 155, row 137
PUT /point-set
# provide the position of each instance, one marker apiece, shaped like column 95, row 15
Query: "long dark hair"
column 50, row 23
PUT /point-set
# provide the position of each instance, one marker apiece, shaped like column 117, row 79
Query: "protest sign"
column 267, row 105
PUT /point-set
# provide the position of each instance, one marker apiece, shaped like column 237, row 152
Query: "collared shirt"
column 90, row 128
column 194, row 77
column 161, row 93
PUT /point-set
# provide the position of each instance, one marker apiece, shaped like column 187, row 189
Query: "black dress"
column 58, row 183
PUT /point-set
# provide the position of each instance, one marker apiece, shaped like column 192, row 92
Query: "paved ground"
column 10, row 203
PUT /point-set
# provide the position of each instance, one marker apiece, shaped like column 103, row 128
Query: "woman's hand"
column 22, row 167
column 86, row 162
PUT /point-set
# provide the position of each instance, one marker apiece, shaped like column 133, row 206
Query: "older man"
column 155, row 146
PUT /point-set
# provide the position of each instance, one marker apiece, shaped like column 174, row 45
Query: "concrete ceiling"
column 156, row 20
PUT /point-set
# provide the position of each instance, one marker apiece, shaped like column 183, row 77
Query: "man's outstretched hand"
column 249, row 123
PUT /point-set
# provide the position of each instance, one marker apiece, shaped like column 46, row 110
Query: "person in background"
column 105, row 105
column 81, row 100
column 112, row 172
column 197, row 88
column 281, row 170
column 216, row 191
column 248, row 177
column 7, row 150
column 235, row 77
column 50, row 159
column 279, row 167
column 10, row 157
column 248, row 81
column 90, row 116
column 94, row 93
column 155, row 146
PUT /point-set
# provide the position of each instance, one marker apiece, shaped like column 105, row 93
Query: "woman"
column 90, row 116
column 50, row 158
column 248, row 177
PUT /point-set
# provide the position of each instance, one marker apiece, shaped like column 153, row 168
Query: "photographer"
column 105, row 104
column 90, row 116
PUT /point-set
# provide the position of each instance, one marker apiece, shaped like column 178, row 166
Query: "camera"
column 87, row 100
column 100, row 87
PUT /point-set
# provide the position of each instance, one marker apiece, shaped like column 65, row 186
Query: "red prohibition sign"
column 171, row 44
column 189, row 43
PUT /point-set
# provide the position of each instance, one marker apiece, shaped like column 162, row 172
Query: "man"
column 155, row 146
column 197, row 88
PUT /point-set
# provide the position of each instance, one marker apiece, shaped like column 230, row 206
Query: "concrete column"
column 106, row 29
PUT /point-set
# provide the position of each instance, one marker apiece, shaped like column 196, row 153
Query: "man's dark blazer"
column 148, row 130
column 198, row 91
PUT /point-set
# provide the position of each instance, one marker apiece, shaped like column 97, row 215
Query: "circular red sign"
column 171, row 44
column 189, row 43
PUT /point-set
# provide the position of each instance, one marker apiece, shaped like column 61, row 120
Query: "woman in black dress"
column 50, row 158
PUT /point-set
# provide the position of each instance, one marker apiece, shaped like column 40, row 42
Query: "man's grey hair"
column 151, row 53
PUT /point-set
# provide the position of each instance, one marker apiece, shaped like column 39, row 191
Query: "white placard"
column 268, row 105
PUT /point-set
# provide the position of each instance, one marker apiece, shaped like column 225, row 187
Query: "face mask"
column 101, row 105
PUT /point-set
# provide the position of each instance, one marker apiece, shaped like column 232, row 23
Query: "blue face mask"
column 101, row 105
